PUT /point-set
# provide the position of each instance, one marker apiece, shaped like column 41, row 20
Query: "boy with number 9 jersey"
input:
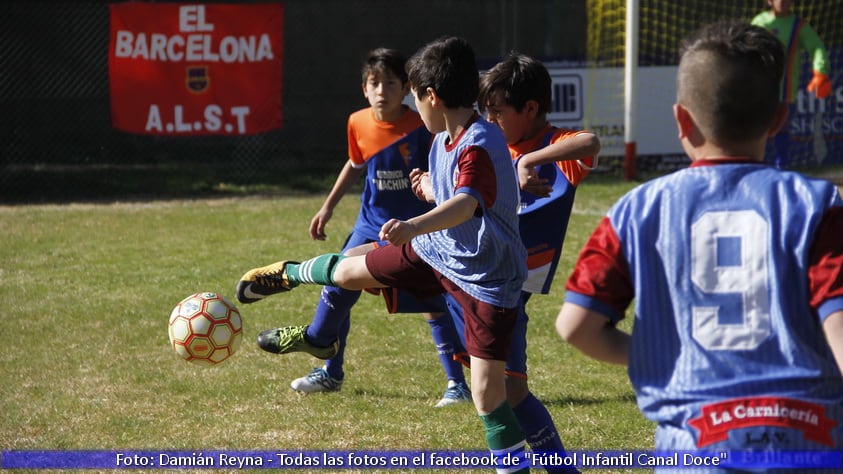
column 735, row 267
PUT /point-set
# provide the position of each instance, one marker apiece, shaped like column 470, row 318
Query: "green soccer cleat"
column 258, row 283
column 291, row 339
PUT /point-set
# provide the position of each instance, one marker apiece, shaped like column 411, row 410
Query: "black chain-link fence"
column 56, row 137
column 57, row 142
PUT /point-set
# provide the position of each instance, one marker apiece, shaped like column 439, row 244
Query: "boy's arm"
column 820, row 83
column 450, row 213
column 422, row 187
column 599, row 291
column 833, row 327
column 578, row 147
column 825, row 275
column 817, row 52
column 593, row 334
column 347, row 177
column 476, row 180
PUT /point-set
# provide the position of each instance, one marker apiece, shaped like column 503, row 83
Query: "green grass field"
column 87, row 290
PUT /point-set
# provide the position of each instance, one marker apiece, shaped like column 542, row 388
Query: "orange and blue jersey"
column 543, row 222
column 389, row 150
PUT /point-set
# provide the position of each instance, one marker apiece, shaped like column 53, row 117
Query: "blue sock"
column 538, row 425
column 334, row 365
column 332, row 311
column 332, row 321
column 447, row 344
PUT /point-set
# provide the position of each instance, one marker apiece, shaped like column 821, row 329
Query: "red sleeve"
column 825, row 272
column 477, row 172
column 601, row 272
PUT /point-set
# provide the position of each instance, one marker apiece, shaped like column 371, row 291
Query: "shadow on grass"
column 550, row 402
column 73, row 183
column 588, row 400
column 390, row 395
column 61, row 184
column 103, row 183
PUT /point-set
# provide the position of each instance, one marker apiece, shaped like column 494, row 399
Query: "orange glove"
column 820, row 85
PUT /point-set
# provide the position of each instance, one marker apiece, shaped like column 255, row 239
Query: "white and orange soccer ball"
column 205, row 328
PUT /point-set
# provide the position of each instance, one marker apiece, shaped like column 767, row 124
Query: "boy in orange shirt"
column 551, row 162
column 385, row 141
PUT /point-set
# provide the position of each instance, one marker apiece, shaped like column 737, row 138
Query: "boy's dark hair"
column 515, row 80
column 385, row 60
column 729, row 77
column 447, row 66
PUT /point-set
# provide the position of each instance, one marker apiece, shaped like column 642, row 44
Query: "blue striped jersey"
column 729, row 296
column 484, row 256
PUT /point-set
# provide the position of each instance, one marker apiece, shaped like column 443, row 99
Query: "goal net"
column 816, row 126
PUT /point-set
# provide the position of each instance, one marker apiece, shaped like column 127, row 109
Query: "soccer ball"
column 205, row 328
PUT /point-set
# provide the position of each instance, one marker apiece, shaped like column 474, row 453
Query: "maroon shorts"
column 488, row 328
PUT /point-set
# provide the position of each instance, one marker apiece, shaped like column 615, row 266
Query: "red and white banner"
column 717, row 419
column 188, row 69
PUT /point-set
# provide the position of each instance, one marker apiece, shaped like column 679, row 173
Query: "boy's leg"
column 448, row 344
column 488, row 333
column 330, row 269
column 320, row 341
column 334, row 365
column 503, row 433
column 331, row 322
column 278, row 277
column 330, row 319
column 330, row 377
column 531, row 413
column 445, row 336
column 398, row 265
column 286, row 275
column 537, row 423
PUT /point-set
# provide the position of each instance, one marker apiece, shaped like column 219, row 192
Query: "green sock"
column 505, row 438
column 316, row 271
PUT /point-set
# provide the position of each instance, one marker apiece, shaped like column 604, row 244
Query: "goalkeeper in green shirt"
column 797, row 36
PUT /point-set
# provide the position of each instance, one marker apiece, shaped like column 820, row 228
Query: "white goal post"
column 630, row 87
